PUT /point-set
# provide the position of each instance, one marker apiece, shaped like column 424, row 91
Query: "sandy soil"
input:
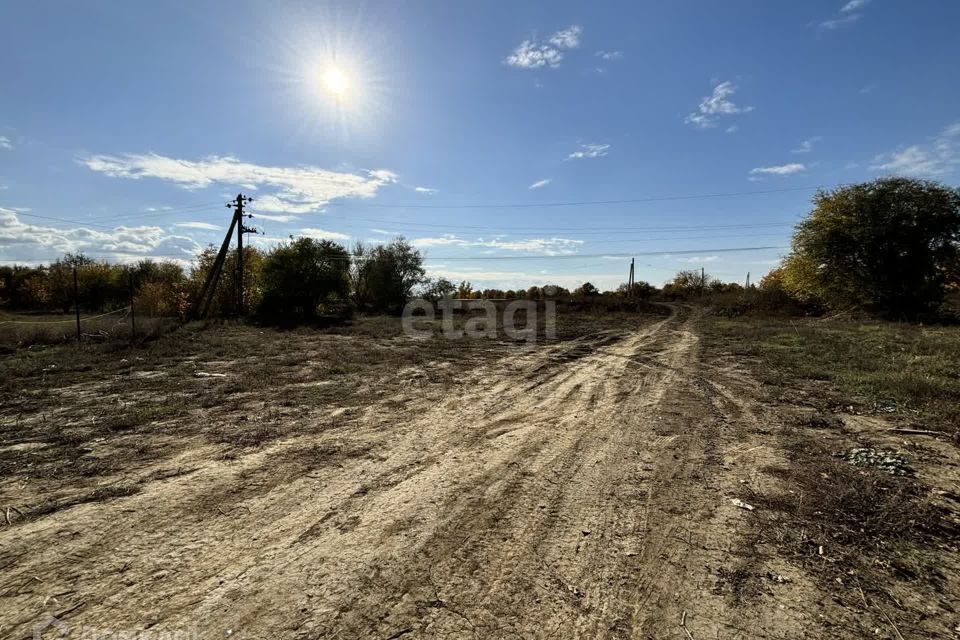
column 580, row 490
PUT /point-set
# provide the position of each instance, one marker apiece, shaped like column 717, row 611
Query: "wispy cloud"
column 807, row 145
column 323, row 234
column 568, row 38
column 539, row 184
column 5, row 143
column 853, row 5
column 426, row 190
column 546, row 246
column 206, row 226
column 34, row 243
column 779, row 170
column 382, row 232
column 299, row 189
column 716, row 105
column 532, row 54
column 848, row 14
column 274, row 218
column 609, row 55
column 482, row 278
column 699, row 259
column 589, row 151
column 938, row 157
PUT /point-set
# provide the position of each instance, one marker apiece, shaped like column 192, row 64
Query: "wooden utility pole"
column 238, row 217
column 238, row 212
column 205, row 299
column 76, row 300
column 748, row 280
column 703, row 280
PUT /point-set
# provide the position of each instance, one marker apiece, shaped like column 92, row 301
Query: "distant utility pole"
column 630, row 280
column 703, row 280
column 748, row 280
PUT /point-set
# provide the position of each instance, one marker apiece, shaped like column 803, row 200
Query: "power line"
column 537, row 205
column 141, row 214
column 609, row 255
column 586, row 229
column 564, row 256
column 37, row 215
column 159, row 211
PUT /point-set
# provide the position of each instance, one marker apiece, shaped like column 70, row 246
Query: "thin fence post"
column 76, row 300
column 133, row 313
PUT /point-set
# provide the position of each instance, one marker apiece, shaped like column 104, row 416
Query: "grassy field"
column 18, row 330
column 908, row 371
column 877, row 540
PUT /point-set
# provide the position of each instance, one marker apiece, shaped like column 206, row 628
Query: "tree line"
column 889, row 246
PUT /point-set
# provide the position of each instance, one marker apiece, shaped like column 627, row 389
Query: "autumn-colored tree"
column 885, row 245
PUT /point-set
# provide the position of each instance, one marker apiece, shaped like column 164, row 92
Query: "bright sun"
column 336, row 81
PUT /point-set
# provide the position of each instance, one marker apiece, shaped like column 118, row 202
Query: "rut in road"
column 581, row 494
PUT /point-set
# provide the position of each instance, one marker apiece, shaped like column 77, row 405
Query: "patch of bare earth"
column 597, row 487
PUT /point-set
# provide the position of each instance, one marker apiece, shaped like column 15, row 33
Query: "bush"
column 298, row 277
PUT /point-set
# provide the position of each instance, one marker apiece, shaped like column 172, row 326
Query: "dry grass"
column 910, row 371
column 881, row 543
column 28, row 329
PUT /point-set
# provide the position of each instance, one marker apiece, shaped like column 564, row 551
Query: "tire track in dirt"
column 582, row 495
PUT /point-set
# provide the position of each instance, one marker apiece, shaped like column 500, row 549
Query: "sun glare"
column 336, row 81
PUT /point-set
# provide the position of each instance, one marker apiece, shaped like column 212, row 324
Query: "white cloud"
column 427, row 190
column 483, row 279
column 35, row 243
column 199, row 225
column 807, row 145
column 323, row 234
column 836, row 23
column 941, row 156
column 589, row 151
column 531, row 54
column 853, row 5
column 717, row 104
column 700, row 259
column 5, row 143
column 299, row 189
column 546, row 246
column 779, row 170
column 609, row 55
column 731, row 129
column 273, row 218
column 382, row 232
column 539, row 184
column 568, row 38
column 848, row 14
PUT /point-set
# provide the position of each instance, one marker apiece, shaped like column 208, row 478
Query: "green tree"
column 225, row 297
column 586, row 290
column 383, row 277
column 437, row 289
column 298, row 276
column 886, row 245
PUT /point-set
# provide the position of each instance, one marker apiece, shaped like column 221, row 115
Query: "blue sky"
column 132, row 123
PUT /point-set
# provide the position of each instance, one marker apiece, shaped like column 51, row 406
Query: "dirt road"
column 580, row 490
